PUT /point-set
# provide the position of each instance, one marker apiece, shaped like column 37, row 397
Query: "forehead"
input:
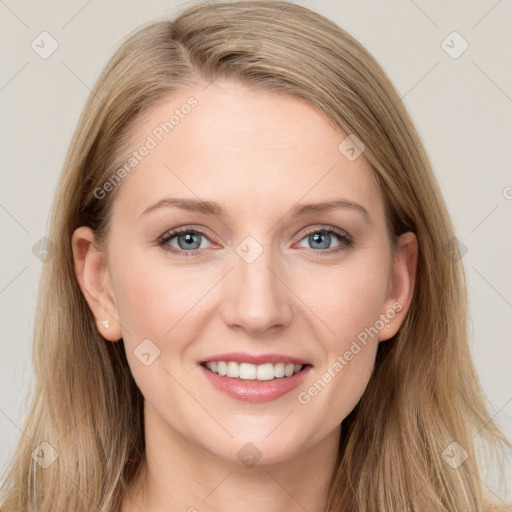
column 251, row 149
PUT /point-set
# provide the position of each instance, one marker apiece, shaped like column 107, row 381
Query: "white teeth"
column 247, row 371
column 279, row 370
column 222, row 368
column 265, row 372
column 233, row 370
column 289, row 369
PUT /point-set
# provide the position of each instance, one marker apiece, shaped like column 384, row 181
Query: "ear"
column 401, row 285
column 95, row 282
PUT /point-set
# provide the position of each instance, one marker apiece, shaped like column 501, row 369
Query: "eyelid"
column 328, row 228
column 184, row 229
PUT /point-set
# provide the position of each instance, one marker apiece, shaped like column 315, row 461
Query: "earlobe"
column 93, row 277
column 402, row 284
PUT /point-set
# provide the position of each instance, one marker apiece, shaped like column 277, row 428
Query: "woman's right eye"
column 187, row 241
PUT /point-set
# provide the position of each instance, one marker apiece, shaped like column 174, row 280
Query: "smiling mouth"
column 248, row 371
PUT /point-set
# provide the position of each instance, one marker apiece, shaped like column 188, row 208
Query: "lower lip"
column 255, row 390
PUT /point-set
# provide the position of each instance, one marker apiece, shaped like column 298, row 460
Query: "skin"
column 257, row 154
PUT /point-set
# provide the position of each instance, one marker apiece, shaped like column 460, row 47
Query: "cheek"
column 152, row 298
column 349, row 304
column 347, row 300
column 156, row 305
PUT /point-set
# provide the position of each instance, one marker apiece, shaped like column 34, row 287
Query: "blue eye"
column 322, row 238
column 188, row 241
column 185, row 238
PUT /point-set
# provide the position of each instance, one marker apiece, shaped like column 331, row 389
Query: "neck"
column 183, row 475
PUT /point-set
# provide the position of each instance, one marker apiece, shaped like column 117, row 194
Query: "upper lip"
column 245, row 357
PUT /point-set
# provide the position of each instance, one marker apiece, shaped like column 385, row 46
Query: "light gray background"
column 462, row 108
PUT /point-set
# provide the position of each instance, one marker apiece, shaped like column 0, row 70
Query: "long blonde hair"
column 424, row 393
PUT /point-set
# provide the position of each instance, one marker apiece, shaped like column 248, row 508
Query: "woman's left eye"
column 322, row 238
column 187, row 242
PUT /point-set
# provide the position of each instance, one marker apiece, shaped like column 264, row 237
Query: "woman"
column 195, row 348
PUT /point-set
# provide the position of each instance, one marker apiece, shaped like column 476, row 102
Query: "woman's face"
column 254, row 278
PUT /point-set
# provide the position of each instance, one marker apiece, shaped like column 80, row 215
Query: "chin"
column 255, row 450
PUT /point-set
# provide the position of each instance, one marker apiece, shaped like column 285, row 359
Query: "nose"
column 256, row 297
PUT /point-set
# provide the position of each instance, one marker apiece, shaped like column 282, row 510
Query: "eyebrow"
column 213, row 208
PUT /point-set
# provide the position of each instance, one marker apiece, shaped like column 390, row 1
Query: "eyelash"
column 344, row 239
